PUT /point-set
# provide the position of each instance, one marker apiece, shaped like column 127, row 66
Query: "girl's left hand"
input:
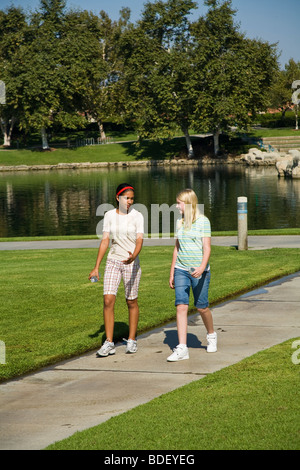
column 130, row 259
column 197, row 272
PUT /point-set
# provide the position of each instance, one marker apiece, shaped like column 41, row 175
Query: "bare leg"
column 207, row 319
column 182, row 311
column 133, row 310
column 109, row 315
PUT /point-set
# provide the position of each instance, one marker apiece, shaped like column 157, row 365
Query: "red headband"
column 123, row 189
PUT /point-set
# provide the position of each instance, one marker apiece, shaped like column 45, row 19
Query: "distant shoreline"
column 125, row 164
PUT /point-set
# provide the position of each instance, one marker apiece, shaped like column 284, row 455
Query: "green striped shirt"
column 190, row 252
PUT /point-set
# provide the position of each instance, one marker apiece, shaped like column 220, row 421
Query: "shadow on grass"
column 152, row 150
column 176, row 148
column 121, row 330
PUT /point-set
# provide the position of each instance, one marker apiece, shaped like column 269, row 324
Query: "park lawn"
column 120, row 152
column 268, row 232
column 50, row 311
column 276, row 132
column 99, row 153
column 251, row 405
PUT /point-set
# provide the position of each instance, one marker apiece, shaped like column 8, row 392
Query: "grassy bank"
column 120, row 152
column 277, row 132
column 232, row 233
column 51, row 311
column 252, row 405
column 124, row 147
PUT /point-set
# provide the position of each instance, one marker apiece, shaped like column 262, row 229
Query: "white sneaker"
column 107, row 349
column 179, row 354
column 211, row 343
column 131, row 347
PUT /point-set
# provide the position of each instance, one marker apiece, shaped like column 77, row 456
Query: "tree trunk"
column 188, row 144
column 7, row 140
column 7, row 128
column 44, row 139
column 216, row 142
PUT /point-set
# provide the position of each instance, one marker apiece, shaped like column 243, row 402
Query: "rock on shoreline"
column 286, row 163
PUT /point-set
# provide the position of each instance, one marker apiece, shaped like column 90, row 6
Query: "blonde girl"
column 190, row 269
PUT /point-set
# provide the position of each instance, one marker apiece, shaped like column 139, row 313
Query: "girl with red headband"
column 125, row 227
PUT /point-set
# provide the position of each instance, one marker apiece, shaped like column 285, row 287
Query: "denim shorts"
column 183, row 281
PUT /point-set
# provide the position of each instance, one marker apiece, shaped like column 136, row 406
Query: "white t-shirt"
column 123, row 230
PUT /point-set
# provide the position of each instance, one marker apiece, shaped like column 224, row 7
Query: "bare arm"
column 138, row 247
column 206, row 255
column 101, row 252
column 174, row 258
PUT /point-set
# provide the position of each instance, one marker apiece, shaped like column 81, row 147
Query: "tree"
column 13, row 32
column 280, row 95
column 66, row 66
column 104, row 91
column 234, row 73
column 164, row 73
column 60, row 56
column 52, row 82
column 158, row 70
column 204, row 74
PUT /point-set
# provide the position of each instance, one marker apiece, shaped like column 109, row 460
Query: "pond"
column 64, row 202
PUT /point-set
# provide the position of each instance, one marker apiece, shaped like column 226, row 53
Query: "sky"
column 275, row 21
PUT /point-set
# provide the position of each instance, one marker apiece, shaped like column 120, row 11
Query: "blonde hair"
column 191, row 210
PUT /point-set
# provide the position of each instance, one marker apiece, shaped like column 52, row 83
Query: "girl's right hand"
column 94, row 273
column 171, row 282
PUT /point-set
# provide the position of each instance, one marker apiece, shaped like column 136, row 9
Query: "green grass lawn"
column 228, row 233
column 50, row 311
column 119, row 152
column 277, row 132
column 252, row 405
column 126, row 151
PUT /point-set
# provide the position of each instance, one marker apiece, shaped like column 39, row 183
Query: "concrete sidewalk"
column 254, row 242
column 47, row 406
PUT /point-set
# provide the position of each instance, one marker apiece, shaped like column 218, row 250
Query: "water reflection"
column 65, row 202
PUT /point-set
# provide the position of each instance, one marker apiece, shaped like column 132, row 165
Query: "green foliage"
column 204, row 75
column 57, row 67
column 13, row 27
column 60, row 52
column 277, row 120
column 280, row 93
column 162, row 73
column 104, row 92
column 159, row 70
column 235, row 72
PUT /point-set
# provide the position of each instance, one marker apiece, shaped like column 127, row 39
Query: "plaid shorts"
column 131, row 274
